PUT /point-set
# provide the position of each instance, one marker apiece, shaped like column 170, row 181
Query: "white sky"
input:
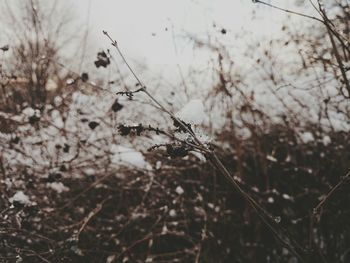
column 139, row 26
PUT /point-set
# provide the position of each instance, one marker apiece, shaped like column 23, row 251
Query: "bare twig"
column 86, row 190
column 94, row 212
column 287, row 10
column 343, row 180
column 331, row 33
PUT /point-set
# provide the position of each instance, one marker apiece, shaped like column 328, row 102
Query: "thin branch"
column 329, row 194
column 94, row 212
column 288, row 11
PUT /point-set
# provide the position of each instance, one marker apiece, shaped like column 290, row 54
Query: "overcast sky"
column 155, row 32
column 140, row 25
column 146, row 30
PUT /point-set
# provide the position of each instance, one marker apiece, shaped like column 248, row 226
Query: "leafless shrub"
column 67, row 195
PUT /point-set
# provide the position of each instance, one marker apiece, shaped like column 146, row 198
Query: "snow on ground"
column 326, row 140
column 307, row 137
column 21, row 198
column 58, row 187
column 65, row 138
column 128, row 156
column 179, row 190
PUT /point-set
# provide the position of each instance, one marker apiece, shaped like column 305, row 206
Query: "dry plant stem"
column 261, row 212
column 328, row 23
column 338, row 58
column 143, row 89
column 267, row 219
column 94, row 212
column 331, row 33
column 287, row 10
column 325, row 20
column 335, row 49
column 342, row 181
column 86, row 190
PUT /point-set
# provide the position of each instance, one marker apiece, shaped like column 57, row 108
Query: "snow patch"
column 57, row 119
column 287, row 197
column 28, row 111
column 128, row 156
column 58, row 187
column 271, row 158
column 158, row 165
column 21, row 198
column 179, row 190
column 200, row 156
column 326, row 140
column 51, row 85
column 270, row 200
column 192, row 112
column 172, row 213
column 307, row 137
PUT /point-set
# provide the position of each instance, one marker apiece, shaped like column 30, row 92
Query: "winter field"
column 174, row 131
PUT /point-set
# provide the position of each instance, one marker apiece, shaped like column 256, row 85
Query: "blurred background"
column 93, row 170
